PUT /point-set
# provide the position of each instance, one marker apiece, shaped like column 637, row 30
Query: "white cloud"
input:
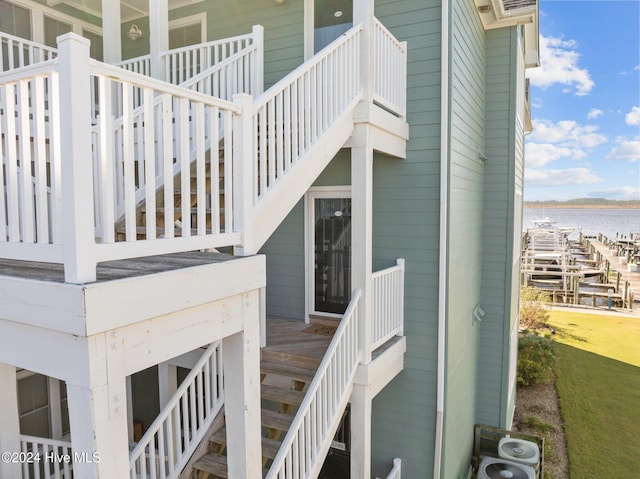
column 633, row 117
column 539, row 154
column 566, row 133
column 563, row 177
column 619, row 193
column 594, row 113
column 629, row 72
column 626, row 150
column 559, row 64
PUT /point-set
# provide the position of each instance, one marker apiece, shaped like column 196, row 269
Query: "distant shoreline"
column 542, row 206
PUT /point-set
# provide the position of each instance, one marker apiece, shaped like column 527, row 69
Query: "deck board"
column 112, row 270
column 289, row 337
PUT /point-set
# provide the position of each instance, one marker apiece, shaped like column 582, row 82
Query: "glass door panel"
column 331, row 18
column 332, row 254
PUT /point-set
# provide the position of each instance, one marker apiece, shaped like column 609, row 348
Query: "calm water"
column 591, row 221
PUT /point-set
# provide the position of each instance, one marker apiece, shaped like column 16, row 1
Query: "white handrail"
column 388, row 304
column 317, row 418
column 172, row 438
column 46, row 458
column 396, row 470
column 291, row 115
column 16, row 52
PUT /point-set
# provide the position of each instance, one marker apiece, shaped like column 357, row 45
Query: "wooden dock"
column 625, row 282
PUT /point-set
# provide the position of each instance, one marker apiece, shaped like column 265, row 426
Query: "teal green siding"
column 466, row 175
column 500, row 270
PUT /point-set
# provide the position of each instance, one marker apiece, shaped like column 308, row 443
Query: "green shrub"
column 535, row 360
column 534, row 312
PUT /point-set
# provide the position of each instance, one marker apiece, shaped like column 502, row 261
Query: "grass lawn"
column 598, row 382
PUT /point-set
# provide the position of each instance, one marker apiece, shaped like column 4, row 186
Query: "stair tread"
column 213, row 464
column 281, row 357
column 285, row 396
column 294, row 372
column 276, row 420
column 270, row 446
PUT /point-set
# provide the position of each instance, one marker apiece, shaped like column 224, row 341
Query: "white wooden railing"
column 388, row 304
column 46, row 458
column 188, row 62
column 140, row 65
column 16, row 52
column 183, row 422
column 239, row 61
column 30, row 207
column 390, row 70
column 295, row 112
column 142, row 156
column 316, row 421
column 396, row 471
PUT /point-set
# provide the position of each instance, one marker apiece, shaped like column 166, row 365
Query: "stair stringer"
column 281, row 198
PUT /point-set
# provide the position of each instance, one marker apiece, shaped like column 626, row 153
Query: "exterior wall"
column 465, row 199
column 500, row 281
column 406, row 223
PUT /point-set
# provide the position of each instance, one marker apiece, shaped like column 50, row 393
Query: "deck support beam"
column 98, row 411
column 241, row 359
column 9, row 421
column 361, row 398
column 111, row 28
column 361, row 231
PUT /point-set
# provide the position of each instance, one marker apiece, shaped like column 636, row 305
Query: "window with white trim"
column 15, row 20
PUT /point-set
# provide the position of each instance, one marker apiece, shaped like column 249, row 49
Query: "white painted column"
column 241, row 359
column 167, row 382
column 361, row 432
column 97, row 400
column 361, row 237
column 9, row 421
column 99, row 434
column 111, row 30
column 158, row 35
column 77, row 177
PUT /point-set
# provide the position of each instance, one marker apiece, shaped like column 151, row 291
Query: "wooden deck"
column 112, row 270
column 297, row 338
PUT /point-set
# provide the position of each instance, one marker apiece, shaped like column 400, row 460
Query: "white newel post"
column 158, row 36
column 257, row 75
column 241, row 359
column 9, row 421
column 363, row 13
column 77, row 169
column 243, row 177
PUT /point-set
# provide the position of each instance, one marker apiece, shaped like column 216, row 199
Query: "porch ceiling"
column 129, row 9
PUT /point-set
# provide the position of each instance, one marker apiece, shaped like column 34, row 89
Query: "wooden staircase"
column 177, row 216
column 285, row 376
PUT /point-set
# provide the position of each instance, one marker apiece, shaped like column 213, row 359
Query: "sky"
column 585, row 102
